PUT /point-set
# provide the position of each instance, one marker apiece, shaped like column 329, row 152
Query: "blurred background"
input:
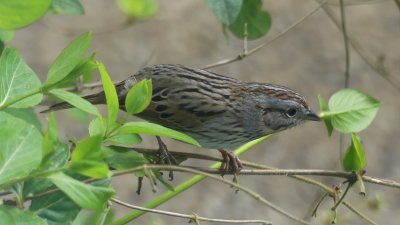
column 310, row 59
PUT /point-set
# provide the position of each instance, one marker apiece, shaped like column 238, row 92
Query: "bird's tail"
column 97, row 98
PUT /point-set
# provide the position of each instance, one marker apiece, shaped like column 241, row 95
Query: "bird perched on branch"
column 218, row 111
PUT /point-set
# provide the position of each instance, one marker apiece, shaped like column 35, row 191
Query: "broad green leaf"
column 55, row 154
column 19, row 13
column 91, row 168
column 140, row 9
column 69, row 7
column 85, row 195
column 56, row 159
column 111, row 95
column 85, row 69
column 125, row 139
column 17, row 79
column 90, row 217
column 138, row 97
column 6, row 35
column 354, row 158
column 97, row 127
column 226, row 10
column 27, row 114
column 87, row 148
column 258, row 21
column 158, row 130
column 87, row 158
column 57, row 208
column 76, row 101
column 351, row 110
column 50, row 139
column 68, row 59
column 125, row 158
column 21, row 148
column 324, row 107
column 14, row 216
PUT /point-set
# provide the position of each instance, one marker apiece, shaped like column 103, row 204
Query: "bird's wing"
column 184, row 98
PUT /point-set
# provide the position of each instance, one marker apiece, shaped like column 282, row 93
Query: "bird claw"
column 230, row 162
column 165, row 157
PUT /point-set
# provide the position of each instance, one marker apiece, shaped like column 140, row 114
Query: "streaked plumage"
column 218, row 111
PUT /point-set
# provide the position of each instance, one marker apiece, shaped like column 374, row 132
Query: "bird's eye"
column 291, row 112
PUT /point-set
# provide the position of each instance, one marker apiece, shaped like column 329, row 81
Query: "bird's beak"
column 310, row 115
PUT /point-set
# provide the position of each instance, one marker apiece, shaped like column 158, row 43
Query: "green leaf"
column 21, row 150
column 85, row 195
column 20, row 13
column 97, row 127
column 226, row 10
column 87, row 158
column 140, row 9
column 57, row 208
column 6, row 35
column 17, row 79
column 2, row 45
column 155, row 129
column 324, row 107
column 27, row 114
column 139, row 97
column 125, row 158
column 76, row 101
column 14, row 216
column 91, row 168
column 111, row 95
column 258, row 21
column 50, row 139
column 56, row 159
column 90, row 217
column 85, row 69
column 351, row 111
column 68, row 59
column 125, row 139
column 68, row 7
column 354, row 158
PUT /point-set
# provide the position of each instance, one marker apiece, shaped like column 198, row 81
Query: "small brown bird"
column 218, row 111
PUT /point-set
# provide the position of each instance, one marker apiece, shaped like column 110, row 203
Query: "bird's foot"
column 165, row 157
column 230, row 162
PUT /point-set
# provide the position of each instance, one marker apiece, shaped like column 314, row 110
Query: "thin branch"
column 369, row 179
column 252, row 194
column 349, row 206
column 379, row 181
column 347, row 68
column 373, row 62
column 337, row 203
column 243, row 55
column 327, row 189
column 188, row 216
column 346, row 45
column 278, row 172
column 315, row 209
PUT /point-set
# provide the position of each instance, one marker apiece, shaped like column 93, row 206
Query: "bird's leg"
column 230, row 162
column 165, row 157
